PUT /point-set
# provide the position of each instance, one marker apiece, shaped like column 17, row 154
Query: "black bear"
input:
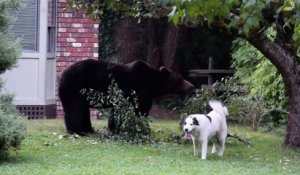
column 148, row 83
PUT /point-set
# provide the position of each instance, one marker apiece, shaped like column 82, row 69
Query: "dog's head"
column 189, row 125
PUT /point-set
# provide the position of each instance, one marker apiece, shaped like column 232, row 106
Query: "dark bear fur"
column 148, row 83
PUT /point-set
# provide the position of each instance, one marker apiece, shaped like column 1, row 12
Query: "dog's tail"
column 218, row 107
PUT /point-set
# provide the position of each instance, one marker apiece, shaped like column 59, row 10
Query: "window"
column 51, row 25
column 26, row 25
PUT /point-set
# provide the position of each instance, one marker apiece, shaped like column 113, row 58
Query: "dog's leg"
column 222, row 145
column 204, row 149
column 214, row 148
column 216, row 145
column 195, row 145
column 222, row 148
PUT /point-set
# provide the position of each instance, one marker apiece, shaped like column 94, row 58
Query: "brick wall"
column 77, row 39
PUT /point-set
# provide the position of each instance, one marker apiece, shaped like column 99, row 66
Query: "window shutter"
column 26, row 25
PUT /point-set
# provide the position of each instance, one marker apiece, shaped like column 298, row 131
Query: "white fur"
column 206, row 130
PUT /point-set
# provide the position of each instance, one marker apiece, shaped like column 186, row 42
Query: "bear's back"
column 83, row 74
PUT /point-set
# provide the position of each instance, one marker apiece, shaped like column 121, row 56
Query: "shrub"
column 259, row 74
column 248, row 111
column 244, row 107
column 12, row 126
column 9, row 45
column 197, row 103
column 129, row 127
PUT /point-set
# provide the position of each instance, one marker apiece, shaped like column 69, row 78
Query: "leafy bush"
column 197, row 103
column 9, row 45
column 243, row 107
column 248, row 111
column 259, row 74
column 12, row 126
column 129, row 126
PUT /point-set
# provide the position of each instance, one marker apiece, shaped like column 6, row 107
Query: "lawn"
column 48, row 150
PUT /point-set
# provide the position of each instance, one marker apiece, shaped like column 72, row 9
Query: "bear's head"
column 173, row 83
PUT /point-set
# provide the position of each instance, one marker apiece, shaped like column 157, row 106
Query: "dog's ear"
column 195, row 121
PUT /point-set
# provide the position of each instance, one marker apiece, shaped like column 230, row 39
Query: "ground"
column 47, row 150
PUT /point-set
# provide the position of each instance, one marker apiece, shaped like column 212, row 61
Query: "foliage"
column 224, row 90
column 129, row 126
column 106, row 47
column 12, row 126
column 244, row 108
column 197, row 103
column 244, row 17
column 248, row 111
column 9, row 46
column 263, row 79
column 133, row 8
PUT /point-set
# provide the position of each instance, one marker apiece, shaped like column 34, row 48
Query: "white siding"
column 33, row 80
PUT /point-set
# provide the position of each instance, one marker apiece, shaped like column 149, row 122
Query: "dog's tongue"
column 187, row 136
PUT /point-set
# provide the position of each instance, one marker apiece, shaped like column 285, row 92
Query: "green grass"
column 47, row 150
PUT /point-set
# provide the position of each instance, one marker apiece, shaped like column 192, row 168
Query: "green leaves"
column 296, row 37
column 9, row 45
column 176, row 17
column 259, row 74
column 129, row 126
column 251, row 15
column 251, row 22
column 209, row 11
column 12, row 125
column 244, row 16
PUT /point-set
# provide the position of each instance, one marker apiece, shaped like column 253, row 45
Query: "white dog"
column 201, row 128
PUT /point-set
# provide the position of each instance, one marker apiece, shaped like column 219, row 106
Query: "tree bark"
column 154, row 53
column 129, row 36
column 289, row 67
column 171, row 41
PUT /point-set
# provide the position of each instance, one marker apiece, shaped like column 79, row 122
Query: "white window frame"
column 37, row 34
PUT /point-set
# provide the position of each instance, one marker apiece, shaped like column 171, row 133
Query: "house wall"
column 77, row 39
column 32, row 81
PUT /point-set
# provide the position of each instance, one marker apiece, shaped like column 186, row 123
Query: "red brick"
column 88, row 45
column 67, row 55
column 64, row 35
column 71, row 30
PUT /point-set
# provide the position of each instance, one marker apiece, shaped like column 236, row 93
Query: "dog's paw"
column 220, row 153
column 213, row 150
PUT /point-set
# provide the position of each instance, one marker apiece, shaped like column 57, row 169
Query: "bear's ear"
column 164, row 72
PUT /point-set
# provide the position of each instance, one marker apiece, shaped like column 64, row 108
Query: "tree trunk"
column 152, row 39
column 129, row 37
column 289, row 67
column 171, row 41
column 154, row 57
